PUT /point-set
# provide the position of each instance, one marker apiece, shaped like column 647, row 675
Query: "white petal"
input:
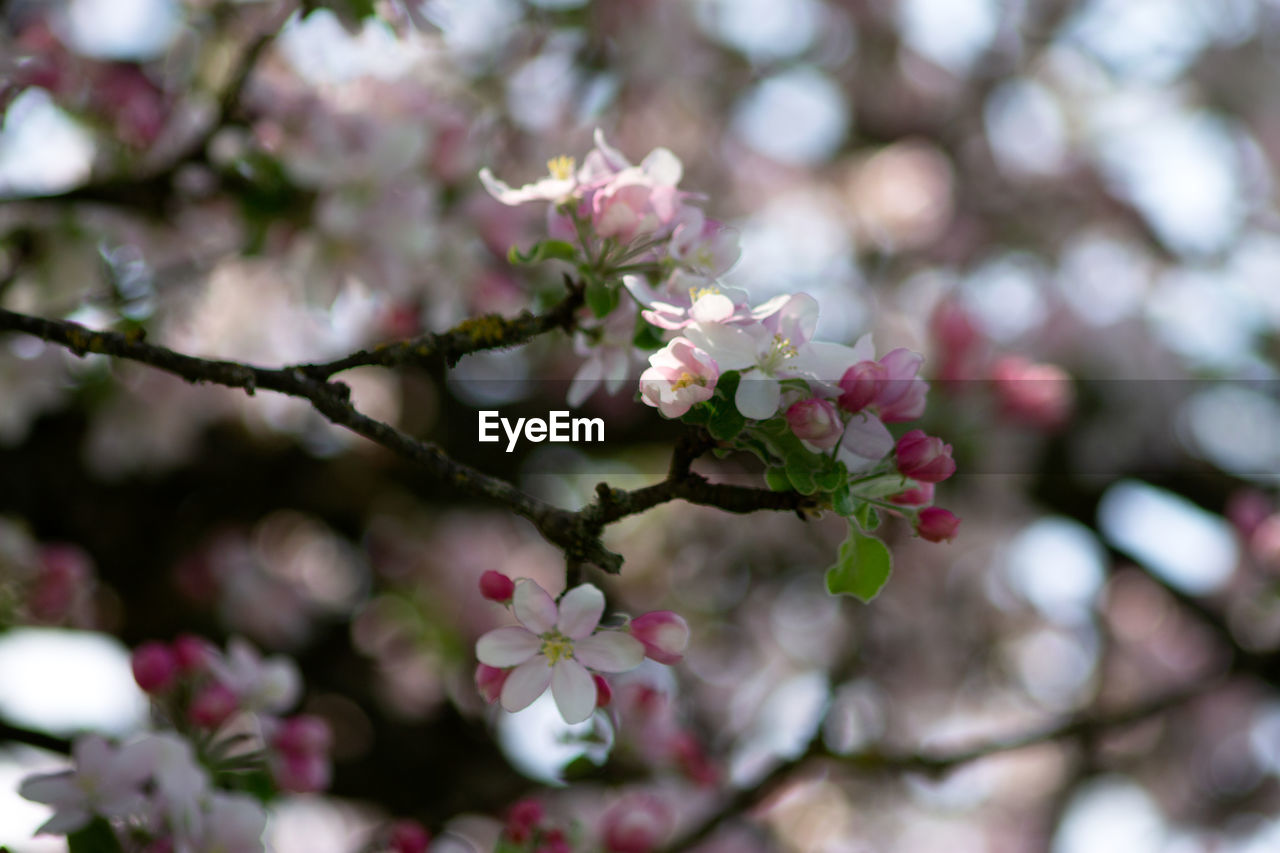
column 609, row 651
column 574, row 691
column 615, row 159
column 52, row 788
column 825, row 361
column 733, row 347
column 507, row 647
column 663, row 167
column 525, row 683
column 864, row 349
column 867, row 437
column 65, row 821
column 534, row 607
column 580, row 611
column 585, row 381
column 758, row 396
column 712, row 308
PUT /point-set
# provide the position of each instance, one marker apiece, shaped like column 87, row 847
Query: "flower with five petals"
column 556, row 646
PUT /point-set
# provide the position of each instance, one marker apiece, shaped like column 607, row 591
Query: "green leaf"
column 862, row 567
column 698, row 415
column 601, row 298
column 544, row 250
column 777, row 479
column 831, row 478
column 801, row 480
column 726, row 422
column 867, row 517
column 97, row 837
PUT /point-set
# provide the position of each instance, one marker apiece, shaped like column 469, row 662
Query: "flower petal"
column 609, row 651
column 574, row 691
column 580, row 611
column 525, row 684
column 65, row 821
column 534, row 606
column 52, row 788
column 867, row 437
column 503, row 647
column 758, row 396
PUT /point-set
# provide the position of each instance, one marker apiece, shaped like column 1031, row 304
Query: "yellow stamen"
column 561, row 168
column 686, row 379
column 783, row 347
column 556, row 648
column 696, row 293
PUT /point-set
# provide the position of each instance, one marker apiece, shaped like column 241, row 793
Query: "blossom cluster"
column 198, row 783
column 817, row 413
column 562, row 646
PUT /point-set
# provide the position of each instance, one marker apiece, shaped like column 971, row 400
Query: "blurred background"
column 1067, row 205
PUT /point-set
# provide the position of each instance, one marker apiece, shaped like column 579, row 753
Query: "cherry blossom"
column 106, row 780
column 554, row 646
column 680, row 375
column 269, row 685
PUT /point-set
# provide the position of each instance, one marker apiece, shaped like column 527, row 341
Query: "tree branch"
column 575, row 533
column 1086, row 724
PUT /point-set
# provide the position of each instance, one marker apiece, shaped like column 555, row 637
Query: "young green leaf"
column 776, row 479
column 862, row 567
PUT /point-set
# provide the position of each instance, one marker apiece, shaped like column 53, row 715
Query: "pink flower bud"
column 65, row 571
column 692, row 759
column 301, row 774
column 815, row 421
column 1038, row 394
column 937, row 524
column 924, row 457
column 604, row 693
column 191, row 653
column 554, row 842
column 638, row 824
column 665, row 635
column 522, row 819
column 921, row 494
column 408, row 836
column 212, row 706
column 861, row 384
column 304, row 734
column 496, row 586
column 1246, row 509
column 489, row 681
column 155, row 667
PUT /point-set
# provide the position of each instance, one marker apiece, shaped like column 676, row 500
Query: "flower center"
column 556, row 647
column 561, row 168
column 696, row 293
column 686, row 379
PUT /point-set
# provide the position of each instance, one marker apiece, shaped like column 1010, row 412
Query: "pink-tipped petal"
column 580, row 611
column 574, row 691
column 534, row 607
column 507, row 647
column 526, row 683
column 609, row 651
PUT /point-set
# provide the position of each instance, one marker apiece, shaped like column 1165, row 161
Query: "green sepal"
column 831, row 478
column 543, row 250
column 862, row 567
column 601, row 298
